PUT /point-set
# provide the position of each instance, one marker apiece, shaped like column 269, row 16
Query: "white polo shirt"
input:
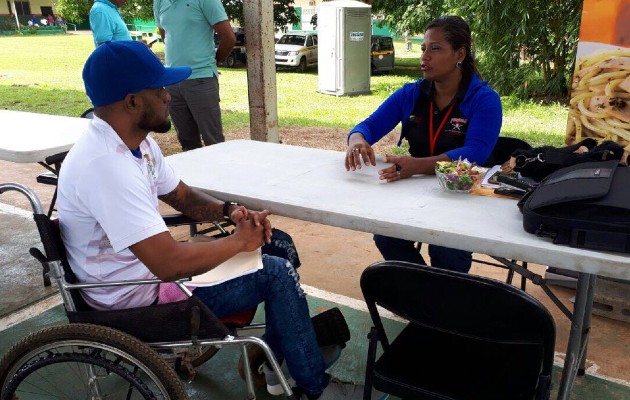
column 108, row 201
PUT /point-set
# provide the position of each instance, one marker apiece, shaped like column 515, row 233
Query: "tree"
column 409, row 15
column 534, row 35
column 515, row 39
column 77, row 10
column 283, row 12
column 74, row 10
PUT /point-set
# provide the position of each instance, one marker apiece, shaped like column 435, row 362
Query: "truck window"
column 387, row 44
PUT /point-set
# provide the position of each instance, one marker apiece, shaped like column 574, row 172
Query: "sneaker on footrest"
column 330, row 354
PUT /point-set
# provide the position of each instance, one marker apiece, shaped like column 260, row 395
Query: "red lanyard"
column 433, row 136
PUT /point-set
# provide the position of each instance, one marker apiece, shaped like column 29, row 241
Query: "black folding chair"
column 467, row 337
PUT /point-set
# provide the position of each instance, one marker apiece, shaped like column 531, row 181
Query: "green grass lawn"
column 43, row 74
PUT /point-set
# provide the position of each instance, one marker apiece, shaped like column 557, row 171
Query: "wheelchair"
column 127, row 354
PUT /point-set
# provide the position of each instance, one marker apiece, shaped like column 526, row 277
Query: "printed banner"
column 600, row 91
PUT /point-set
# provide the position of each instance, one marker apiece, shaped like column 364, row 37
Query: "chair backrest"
column 503, row 150
column 485, row 311
column 55, row 250
column 89, row 113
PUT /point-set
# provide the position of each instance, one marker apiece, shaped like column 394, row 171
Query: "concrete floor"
column 219, row 379
column 343, row 253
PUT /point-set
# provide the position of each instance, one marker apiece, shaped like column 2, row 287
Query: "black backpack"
column 586, row 205
column 539, row 162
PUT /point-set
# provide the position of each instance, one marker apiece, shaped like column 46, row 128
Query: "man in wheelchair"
column 112, row 229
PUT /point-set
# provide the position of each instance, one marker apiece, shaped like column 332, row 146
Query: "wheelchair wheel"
column 85, row 361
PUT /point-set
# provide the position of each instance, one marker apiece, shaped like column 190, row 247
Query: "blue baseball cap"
column 116, row 69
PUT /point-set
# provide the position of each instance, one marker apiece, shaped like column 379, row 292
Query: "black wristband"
column 226, row 209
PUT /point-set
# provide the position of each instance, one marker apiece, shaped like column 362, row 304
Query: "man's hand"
column 359, row 148
column 250, row 234
column 258, row 218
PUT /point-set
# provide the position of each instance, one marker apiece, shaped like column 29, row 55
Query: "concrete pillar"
column 14, row 11
column 261, row 70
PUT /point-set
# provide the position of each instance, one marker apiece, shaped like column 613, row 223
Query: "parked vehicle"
column 297, row 49
column 238, row 53
column 382, row 54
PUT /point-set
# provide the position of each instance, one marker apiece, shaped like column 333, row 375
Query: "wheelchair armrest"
column 180, row 219
column 87, row 285
column 216, row 230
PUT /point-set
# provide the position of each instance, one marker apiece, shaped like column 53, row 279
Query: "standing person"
column 111, row 227
column 188, row 34
column 448, row 115
column 106, row 22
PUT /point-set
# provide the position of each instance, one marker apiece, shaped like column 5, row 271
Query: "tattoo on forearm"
column 194, row 204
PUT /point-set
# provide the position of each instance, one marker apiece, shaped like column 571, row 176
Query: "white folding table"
column 313, row 185
column 27, row 137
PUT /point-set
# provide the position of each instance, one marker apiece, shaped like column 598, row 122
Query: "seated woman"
column 448, row 115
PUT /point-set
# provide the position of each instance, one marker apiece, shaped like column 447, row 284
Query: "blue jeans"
column 441, row 257
column 289, row 330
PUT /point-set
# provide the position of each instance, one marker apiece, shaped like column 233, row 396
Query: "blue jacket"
column 481, row 105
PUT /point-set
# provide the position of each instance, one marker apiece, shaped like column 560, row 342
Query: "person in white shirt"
column 110, row 224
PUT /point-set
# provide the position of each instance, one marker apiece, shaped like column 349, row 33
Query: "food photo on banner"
column 600, row 92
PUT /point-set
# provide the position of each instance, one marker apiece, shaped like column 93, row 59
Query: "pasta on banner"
column 600, row 96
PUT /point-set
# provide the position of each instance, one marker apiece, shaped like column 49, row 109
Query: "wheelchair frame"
column 176, row 347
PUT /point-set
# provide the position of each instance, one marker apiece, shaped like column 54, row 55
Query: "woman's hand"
column 402, row 167
column 358, row 148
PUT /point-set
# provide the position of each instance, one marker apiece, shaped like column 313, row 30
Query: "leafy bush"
column 7, row 23
column 523, row 80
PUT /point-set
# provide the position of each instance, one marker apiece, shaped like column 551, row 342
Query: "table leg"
column 588, row 312
column 578, row 337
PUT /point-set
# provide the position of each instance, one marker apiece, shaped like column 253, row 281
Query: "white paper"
column 239, row 265
column 488, row 175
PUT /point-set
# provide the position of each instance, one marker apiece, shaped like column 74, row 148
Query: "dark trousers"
column 195, row 112
column 406, row 250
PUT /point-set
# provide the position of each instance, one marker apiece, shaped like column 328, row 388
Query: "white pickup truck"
column 297, row 49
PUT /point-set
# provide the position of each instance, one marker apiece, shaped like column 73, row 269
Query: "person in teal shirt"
column 187, row 28
column 106, row 22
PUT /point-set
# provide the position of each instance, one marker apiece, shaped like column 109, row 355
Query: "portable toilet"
column 344, row 36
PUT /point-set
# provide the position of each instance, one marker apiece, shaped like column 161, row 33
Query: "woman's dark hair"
column 457, row 34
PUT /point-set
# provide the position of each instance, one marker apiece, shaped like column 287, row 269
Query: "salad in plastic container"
column 458, row 176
